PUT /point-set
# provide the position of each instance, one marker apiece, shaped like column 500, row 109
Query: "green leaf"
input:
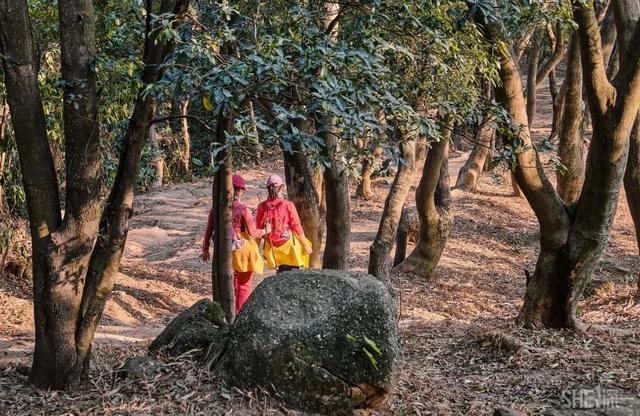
column 371, row 358
column 371, row 343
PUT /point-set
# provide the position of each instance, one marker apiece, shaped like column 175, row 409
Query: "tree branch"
column 600, row 92
column 559, row 52
column 19, row 62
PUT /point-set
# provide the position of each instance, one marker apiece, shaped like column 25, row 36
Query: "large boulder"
column 325, row 341
column 198, row 329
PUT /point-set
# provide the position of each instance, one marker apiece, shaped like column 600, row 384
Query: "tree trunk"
column 433, row 202
column 517, row 191
column 222, row 269
column 571, row 245
column 570, row 147
column 534, row 54
column 608, row 34
column 381, row 247
column 558, row 47
column 632, row 178
column 364, row 187
column 338, row 216
column 368, row 168
column 564, row 268
column 302, row 192
column 72, row 276
column 180, row 130
column 57, row 299
column 470, row 172
column 318, row 185
column 558, row 105
column 186, row 138
column 336, row 178
column 158, row 160
column 4, row 121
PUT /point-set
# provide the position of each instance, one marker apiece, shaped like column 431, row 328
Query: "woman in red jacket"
column 285, row 245
column 246, row 256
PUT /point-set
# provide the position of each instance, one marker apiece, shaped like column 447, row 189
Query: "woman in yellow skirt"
column 285, row 246
column 246, row 256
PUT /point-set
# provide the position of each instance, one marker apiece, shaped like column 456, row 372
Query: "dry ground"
column 462, row 354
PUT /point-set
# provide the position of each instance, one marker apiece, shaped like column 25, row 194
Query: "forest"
column 384, row 207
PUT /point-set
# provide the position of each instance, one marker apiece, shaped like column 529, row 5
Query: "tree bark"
column 571, row 242
column 368, row 168
column 186, row 137
column 158, row 160
column 180, row 130
column 336, row 179
column 118, row 209
column 558, row 104
column 338, row 216
column 559, row 51
column 318, row 184
column 433, row 202
column 379, row 252
column 72, row 277
column 4, row 121
column 222, row 269
column 626, row 18
column 57, row 296
column 608, row 33
column 563, row 271
column 632, row 179
column 571, row 146
column 470, row 172
column 302, row 192
column 364, row 186
column 532, row 72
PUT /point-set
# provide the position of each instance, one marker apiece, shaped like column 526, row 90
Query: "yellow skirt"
column 290, row 253
column 247, row 258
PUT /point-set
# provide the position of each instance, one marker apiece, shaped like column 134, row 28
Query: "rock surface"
column 199, row 328
column 323, row 341
column 140, row 368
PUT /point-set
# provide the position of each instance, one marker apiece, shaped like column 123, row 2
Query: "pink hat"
column 239, row 182
column 274, row 180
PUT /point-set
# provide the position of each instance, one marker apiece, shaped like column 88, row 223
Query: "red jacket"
column 282, row 216
column 242, row 221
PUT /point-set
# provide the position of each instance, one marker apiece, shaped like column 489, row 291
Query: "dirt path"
column 462, row 352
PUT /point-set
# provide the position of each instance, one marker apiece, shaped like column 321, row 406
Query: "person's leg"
column 236, row 278
column 242, row 282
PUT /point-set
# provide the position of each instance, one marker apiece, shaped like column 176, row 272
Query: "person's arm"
column 296, row 227
column 250, row 225
column 206, row 240
column 260, row 217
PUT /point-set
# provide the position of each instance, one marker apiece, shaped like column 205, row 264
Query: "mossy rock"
column 198, row 329
column 322, row 341
column 140, row 368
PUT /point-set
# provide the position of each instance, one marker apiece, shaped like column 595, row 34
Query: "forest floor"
column 462, row 352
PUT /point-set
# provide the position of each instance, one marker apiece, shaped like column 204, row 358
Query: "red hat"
column 239, row 182
column 274, row 180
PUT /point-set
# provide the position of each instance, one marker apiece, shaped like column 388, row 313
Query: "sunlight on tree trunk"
column 301, row 191
column 379, row 252
column 222, row 191
column 433, row 202
column 158, row 160
column 571, row 143
column 336, row 179
column 570, row 246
